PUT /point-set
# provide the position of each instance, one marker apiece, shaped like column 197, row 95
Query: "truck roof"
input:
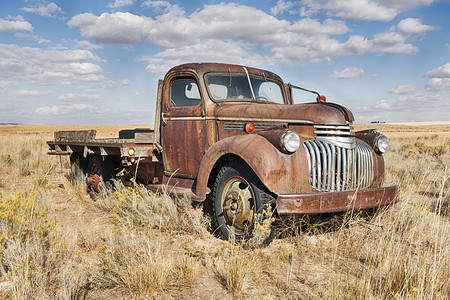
column 202, row 68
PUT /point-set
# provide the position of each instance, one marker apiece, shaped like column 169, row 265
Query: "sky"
column 98, row 62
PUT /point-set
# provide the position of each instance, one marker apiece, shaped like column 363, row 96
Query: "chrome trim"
column 240, row 126
column 335, row 168
column 282, row 121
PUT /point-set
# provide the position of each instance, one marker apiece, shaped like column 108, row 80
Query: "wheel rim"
column 238, row 205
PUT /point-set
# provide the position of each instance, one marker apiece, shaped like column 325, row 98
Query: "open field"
column 56, row 243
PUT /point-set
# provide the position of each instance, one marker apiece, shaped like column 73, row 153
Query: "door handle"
column 163, row 118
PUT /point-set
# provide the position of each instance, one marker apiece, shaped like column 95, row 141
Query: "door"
column 183, row 126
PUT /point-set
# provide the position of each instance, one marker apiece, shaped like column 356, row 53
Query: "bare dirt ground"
column 320, row 261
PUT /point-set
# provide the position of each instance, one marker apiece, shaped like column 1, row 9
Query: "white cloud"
column 88, row 45
column 371, row 10
column 348, row 73
column 439, row 78
column 311, row 27
column 158, row 6
column 307, row 39
column 33, row 93
column 353, row 9
column 381, row 105
column 402, row 89
column 204, row 51
column 49, row 67
column 404, row 5
column 437, row 84
column 440, row 72
column 51, row 10
column 117, row 28
column 120, row 3
column 70, row 97
column 58, row 110
column 413, row 26
column 114, row 84
column 15, row 26
column 281, row 7
column 5, row 84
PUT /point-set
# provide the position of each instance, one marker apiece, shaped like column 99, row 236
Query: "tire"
column 238, row 198
column 99, row 170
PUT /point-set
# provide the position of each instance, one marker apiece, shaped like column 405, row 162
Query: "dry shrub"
column 233, row 271
column 139, row 209
column 136, row 263
column 25, row 243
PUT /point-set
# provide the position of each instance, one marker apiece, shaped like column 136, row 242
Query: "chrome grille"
column 333, row 167
column 240, row 126
column 341, row 135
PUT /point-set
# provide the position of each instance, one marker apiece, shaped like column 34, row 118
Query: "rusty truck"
column 232, row 135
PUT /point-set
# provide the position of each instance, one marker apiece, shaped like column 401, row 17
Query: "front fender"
column 276, row 170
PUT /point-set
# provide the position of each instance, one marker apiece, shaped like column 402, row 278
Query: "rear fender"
column 268, row 163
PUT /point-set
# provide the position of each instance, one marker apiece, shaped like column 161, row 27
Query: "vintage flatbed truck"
column 233, row 135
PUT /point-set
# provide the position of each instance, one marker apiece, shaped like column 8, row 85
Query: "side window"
column 184, row 92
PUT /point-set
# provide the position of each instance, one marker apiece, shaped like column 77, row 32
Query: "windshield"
column 237, row 86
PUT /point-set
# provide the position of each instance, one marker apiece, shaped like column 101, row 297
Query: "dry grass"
column 56, row 243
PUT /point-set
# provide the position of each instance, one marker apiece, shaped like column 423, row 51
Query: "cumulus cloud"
column 305, row 40
column 50, row 10
column 354, row 9
column 120, row 3
column 71, row 97
column 281, row 7
column 439, row 78
column 117, row 28
column 370, row 10
column 66, row 109
column 49, row 67
column 402, row 89
column 414, row 26
column 348, row 73
column 158, row 6
column 204, row 51
column 19, row 25
column 440, row 72
column 437, row 84
column 33, row 93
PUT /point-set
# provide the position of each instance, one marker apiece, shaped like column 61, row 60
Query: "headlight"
column 290, row 141
column 381, row 143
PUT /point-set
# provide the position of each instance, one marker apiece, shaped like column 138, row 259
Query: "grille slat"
column 334, row 168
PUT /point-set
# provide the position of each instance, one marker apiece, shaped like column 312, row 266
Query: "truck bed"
column 130, row 143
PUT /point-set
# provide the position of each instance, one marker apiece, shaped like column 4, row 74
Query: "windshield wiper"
column 250, row 83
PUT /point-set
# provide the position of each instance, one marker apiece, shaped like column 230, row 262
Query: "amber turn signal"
column 249, row 127
column 321, row 98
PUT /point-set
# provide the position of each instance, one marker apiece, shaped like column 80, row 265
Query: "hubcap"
column 238, row 204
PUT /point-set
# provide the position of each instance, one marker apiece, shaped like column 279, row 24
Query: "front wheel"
column 240, row 203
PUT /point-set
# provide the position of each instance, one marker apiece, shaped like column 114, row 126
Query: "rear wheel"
column 99, row 170
column 240, row 201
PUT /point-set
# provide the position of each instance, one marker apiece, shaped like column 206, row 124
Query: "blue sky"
column 98, row 62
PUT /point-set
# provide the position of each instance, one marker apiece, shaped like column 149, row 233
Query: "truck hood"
column 318, row 113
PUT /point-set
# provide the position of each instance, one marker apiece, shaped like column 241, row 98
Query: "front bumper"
column 330, row 202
